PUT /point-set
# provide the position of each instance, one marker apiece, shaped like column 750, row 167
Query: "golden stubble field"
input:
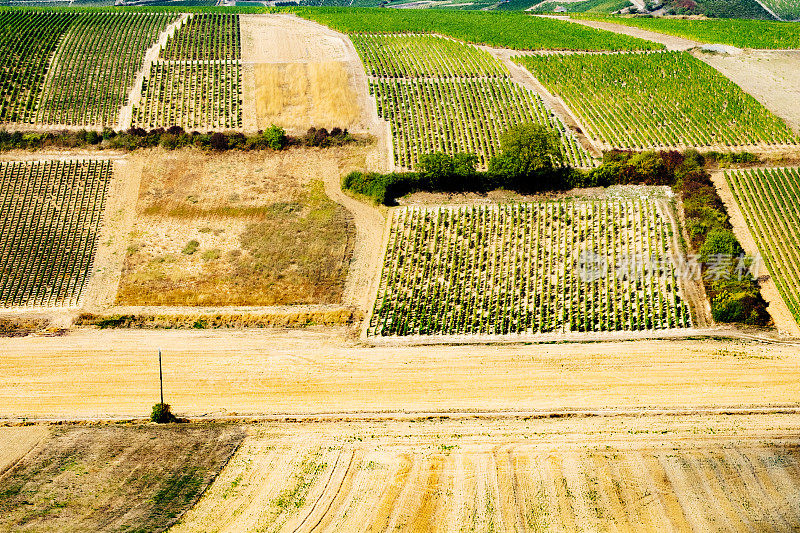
column 621, row 474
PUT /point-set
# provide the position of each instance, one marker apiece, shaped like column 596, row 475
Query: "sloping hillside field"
column 48, row 232
column 656, row 100
column 546, row 267
column 441, row 95
column 770, row 201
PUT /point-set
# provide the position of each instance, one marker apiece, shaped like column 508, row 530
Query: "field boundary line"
column 441, row 415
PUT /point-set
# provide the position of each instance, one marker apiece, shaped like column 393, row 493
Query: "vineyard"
column 516, row 269
column 735, row 32
column 770, row 201
column 505, row 30
column 422, row 56
column 657, row 100
column 786, row 9
column 95, row 66
column 197, row 82
column 192, row 94
column 48, row 233
column 442, row 95
column 27, row 42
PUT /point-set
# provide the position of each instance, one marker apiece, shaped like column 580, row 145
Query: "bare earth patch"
column 620, row 474
column 771, row 77
column 239, row 229
column 15, row 442
column 109, row 478
column 300, row 74
column 115, row 372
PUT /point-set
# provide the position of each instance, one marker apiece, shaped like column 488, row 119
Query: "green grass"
column 734, row 32
column 508, row 30
column 587, row 6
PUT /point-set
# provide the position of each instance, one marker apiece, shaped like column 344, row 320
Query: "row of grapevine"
column 657, row 100
column 191, row 94
column 197, row 82
column 48, row 233
column 28, row 41
column 424, row 56
column 442, row 95
column 770, row 201
column 516, row 269
column 461, row 116
column 206, row 36
column 95, row 66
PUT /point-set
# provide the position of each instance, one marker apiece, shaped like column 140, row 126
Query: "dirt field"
column 269, row 236
column 99, row 373
column 302, row 74
column 16, row 442
column 112, row 478
column 623, row 474
column 772, row 78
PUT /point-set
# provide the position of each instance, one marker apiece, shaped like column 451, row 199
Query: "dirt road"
column 100, row 373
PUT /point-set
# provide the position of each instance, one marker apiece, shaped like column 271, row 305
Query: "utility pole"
column 160, row 377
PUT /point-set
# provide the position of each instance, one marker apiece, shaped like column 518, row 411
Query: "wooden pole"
column 160, row 377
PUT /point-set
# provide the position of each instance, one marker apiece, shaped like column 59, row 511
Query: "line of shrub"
column 529, row 162
column 174, row 137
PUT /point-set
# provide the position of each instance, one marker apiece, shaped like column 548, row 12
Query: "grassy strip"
column 735, row 32
column 503, row 29
column 290, row 319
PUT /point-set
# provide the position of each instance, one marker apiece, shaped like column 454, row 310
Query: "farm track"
column 92, row 374
column 621, row 474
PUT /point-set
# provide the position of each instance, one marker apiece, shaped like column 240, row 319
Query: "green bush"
column 162, row 414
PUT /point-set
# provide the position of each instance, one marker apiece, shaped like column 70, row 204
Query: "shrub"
column 162, row 414
column 191, row 247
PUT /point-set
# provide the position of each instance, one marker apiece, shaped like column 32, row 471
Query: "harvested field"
column 300, row 74
column 15, row 442
column 239, row 229
column 624, row 474
column 112, row 478
column 301, row 95
column 94, row 373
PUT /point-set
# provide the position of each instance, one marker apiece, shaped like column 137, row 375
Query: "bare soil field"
column 302, row 75
column 253, row 229
column 771, row 77
column 91, row 373
column 623, row 474
column 16, row 442
column 111, row 478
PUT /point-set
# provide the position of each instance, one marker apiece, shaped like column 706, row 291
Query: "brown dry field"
column 297, row 96
column 299, row 74
column 109, row 478
column 90, row 373
column 239, row 228
column 712, row 473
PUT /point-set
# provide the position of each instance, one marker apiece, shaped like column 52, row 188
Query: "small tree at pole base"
column 161, row 413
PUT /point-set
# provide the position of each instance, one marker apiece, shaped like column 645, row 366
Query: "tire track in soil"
column 558, row 483
column 341, row 492
column 322, row 493
column 424, row 519
column 685, row 494
column 658, row 507
column 723, row 473
column 714, row 496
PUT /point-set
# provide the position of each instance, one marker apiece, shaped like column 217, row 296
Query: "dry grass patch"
column 134, row 478
column 239, row 229
column 296, row 96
